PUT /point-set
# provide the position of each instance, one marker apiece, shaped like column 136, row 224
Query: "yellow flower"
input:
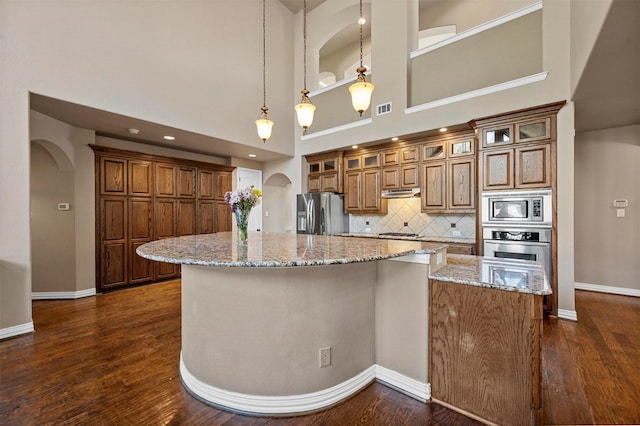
column 257, row 192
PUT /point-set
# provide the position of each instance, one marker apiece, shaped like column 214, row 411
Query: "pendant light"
column 361, row 90
column 305, row 109
column 263, row 124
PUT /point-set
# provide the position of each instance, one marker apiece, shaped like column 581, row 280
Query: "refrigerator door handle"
column 311, row 220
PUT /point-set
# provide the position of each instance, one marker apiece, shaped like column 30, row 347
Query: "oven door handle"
column 518, row 242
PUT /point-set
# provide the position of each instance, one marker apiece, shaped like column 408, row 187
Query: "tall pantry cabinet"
column 142, row 198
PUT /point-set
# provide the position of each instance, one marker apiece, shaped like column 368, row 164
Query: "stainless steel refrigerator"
column 321, row 213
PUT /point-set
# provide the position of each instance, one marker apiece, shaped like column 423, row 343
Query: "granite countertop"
column 523, row 276
column 278, row 250
column 412, row 238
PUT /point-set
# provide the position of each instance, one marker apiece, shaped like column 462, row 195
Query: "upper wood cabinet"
column 141, row 198
column 324, row 173
column 449, row 175
column 363, row 192
column 401, row 155
column 113, row 176
column 361, row 161
column 186, row 183
column 165, row 180
column 140, row 178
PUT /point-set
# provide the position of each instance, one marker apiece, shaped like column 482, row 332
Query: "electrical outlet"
column 453, row 225
column 406, row 224
column 325, row 357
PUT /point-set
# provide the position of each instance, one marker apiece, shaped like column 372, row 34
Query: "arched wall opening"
column 53, row 251
column 277, row 205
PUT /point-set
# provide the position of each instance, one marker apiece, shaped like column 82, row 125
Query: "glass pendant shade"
column 305, row 110
column 264, row 126
column 361, row 95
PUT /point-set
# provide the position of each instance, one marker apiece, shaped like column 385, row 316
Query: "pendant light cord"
column 264, row 55
column 304, row 33
column 360, row 22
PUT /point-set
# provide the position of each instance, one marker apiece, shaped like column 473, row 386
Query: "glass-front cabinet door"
column 434, row 151
column 462, row 147
column 533, row 130
column 497, row 136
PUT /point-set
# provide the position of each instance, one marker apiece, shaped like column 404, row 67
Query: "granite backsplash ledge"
column 401, row 210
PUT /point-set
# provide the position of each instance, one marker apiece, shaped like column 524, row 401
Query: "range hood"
column 401, row 193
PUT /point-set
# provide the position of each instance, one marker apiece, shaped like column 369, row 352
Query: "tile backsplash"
column 401, row 210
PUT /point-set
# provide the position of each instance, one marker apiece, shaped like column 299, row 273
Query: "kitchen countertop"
column 278, row 250
column 411, row 238
column 505, row 274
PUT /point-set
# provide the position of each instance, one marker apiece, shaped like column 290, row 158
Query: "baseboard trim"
column 567, row 314
column 410, row 387
column 275, row 405
column 16, row 330
column 52, row 295
column 607, row 289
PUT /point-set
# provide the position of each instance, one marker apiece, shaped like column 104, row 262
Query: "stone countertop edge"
column 423, row 238
column 278, row 250
column 471, row 270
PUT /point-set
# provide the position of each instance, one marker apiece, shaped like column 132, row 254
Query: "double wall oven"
column 517, row 225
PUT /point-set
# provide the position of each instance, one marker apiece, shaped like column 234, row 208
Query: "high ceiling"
column 607, row 96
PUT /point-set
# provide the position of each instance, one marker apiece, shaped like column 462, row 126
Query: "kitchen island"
column 289, row 324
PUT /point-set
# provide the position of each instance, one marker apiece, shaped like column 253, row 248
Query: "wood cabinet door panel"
column 223, row 184
column 410, row 154
column 410, row 176
column 186, row 182
column 498, row 169
column 433, row 193
column 140, row 218
column 113, row 176
column 533, row 166
column 141, row 269
column 114, row 265
column 390, row 158
column 186, row 217
column 329, row 182
column 206, row 217
column 114, row 218
column 165, row 175
column 140, row 178
column 223, row 217
column 371, row 200
column 165, row 271
column 461, row 188
column 165, row 218
column 313, row 183
column 352, row 191
column 391, row 178
column 206, row 186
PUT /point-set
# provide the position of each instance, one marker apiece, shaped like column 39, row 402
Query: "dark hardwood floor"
column 113, row 360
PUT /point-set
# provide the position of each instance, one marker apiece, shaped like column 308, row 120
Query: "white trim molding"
column 567, row 314
column 623, row 291
column 337, row 129
column 58, row 295
column 275, row 405
column 534, row 78
column 16, row 330
column 410, row 387
column 480, row 28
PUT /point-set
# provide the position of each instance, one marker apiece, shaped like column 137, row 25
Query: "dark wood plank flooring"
column 113, row 360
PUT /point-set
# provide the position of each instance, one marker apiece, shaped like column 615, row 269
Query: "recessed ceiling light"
column 169, row 138
column 394, row 139
column 354, row 146
column 252, row 155
column 134, row 131
column 443, row 129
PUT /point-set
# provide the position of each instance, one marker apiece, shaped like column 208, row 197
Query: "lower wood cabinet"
column 461, row 248
column 141, row 198
column 485, row 352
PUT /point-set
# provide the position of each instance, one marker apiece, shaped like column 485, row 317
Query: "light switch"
column 620, row 212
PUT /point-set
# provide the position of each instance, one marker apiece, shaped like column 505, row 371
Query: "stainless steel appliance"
column 321, row 213
column 519, row 243
column 520, row 208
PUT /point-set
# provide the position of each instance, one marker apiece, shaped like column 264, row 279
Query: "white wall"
column 158, row 61
column 608, row 247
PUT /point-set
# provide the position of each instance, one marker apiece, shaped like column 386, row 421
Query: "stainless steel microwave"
column 517, row 208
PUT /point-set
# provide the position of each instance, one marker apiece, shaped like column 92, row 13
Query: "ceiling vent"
column 383, row 108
